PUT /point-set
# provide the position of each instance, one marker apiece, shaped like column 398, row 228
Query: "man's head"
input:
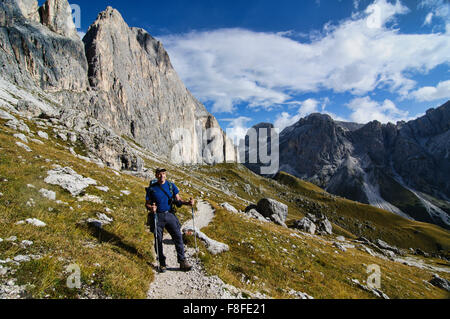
column 160, row 174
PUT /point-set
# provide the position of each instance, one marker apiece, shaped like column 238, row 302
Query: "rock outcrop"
column 273, row 209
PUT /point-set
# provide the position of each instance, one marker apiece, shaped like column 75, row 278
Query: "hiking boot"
column 185, row 266
column 162, row 269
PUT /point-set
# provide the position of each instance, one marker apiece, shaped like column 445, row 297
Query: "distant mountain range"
column 403, row 167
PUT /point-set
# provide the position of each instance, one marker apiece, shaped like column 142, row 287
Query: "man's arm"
column 191, row 202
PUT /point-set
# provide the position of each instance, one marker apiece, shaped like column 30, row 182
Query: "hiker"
column 161, row 197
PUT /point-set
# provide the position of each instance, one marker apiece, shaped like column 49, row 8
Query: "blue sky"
column 277, row 61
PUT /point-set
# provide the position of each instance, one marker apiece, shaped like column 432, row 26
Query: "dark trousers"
column 172, row 224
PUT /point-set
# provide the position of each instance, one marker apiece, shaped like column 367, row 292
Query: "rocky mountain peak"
column 110, row 16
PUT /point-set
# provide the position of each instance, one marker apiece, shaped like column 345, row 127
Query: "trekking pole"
column 156, row 241
column 195, row 232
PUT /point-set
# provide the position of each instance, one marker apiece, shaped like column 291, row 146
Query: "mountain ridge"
column 372, row 162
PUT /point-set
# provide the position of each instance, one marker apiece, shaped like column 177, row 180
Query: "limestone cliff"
column 119, row 75
column 142, row 95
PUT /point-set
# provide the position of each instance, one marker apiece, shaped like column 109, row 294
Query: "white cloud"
column 360, row 54
column 284, row 119
column 430, row 93
column 365, row 110
column 440, row 8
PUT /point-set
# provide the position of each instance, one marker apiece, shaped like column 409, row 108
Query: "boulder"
column 277, row 220
column 100, row 221
column 25, row 147
column 305, row 224
column 229, row 207
column 48, row 194
column 385, row 246
column 339, row 246
column 42, row 135
column 440, row 282
column 35, row 222
column 68, row 179
column 213, row 246
column 269, row 207
column 325, row 226
column 253, row 213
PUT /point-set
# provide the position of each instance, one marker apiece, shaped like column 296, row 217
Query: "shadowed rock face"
column 403, row 167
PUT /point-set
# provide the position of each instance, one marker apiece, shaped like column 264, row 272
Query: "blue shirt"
column 159, row 197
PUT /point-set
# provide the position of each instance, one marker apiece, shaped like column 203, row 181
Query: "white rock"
column 62, row 136
column 105, row 219
column 48, row 194
column 30, row 202
column 21, row 137
column 3, row 270
column 21, row 258
column 1, row 194
column 103, row 188
column 20, row 222
column 339, row 246
column 68, row 179
column 91, row 198
column 30, row 186
column 213, row 246
column 35, row 222
column 18, row 126
column 229, row 207
column 35, row 140
column 11, row 239
column 42, row 135
column 126, row 192
column 1, row 239
column 6, row 116
column 25, row 147
column 26, row 243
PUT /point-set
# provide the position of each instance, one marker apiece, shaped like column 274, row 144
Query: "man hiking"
column 160, row 200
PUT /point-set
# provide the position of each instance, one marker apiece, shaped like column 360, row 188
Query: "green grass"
column 119, row 260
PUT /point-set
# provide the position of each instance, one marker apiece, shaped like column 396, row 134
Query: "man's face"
column 161, row 176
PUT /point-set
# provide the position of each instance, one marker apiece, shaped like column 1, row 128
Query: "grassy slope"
column 121, row 265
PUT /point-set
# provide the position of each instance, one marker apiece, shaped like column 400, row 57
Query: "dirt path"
column 175, row 284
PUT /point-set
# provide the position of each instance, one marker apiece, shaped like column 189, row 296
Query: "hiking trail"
column 195, row 284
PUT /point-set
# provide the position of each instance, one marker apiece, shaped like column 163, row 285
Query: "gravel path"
column 196, row 284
